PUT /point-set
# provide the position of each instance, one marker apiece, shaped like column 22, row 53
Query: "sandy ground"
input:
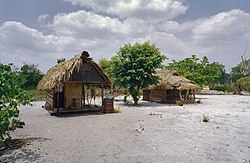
column 179, row 135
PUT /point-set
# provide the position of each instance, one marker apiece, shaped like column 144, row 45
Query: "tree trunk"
column 135, row 95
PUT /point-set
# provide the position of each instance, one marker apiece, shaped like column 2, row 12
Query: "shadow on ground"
column 15, row 151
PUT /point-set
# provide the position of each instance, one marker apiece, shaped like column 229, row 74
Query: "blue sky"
column 41, row 31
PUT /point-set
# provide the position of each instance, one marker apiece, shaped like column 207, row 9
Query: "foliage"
column 31, row 74
column 11, row 96
column 241, row 70
column 36, row 94
column 105, row 64
column 229, row 88
column 225, row 88
column 244, row 83
column 61, row 60
column 220, row 88
column 200, row 71
column 205, row 118
column 134, row 66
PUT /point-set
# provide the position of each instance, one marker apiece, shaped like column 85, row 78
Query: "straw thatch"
column 170, row 80
column 65, row 71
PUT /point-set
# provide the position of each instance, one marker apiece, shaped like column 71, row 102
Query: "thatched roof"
column 171, row 79
column 73, row 70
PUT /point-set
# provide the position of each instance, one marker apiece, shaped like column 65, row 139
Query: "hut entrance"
column 58, row 96
column 80, row 96
column 92, row 96
column 73, row 95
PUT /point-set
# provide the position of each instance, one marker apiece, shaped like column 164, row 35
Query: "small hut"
column 68, row 85
column 172, row 88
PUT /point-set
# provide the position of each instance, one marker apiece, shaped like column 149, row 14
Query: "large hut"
column 71, row 83
column 172, row 88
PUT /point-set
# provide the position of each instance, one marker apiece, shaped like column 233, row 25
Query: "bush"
column 11, row 96
column 244, row 83
column 229, row 88
column 205, row 118
column 220, row 88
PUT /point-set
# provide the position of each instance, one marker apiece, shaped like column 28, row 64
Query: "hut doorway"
column 73, row 95
column 92, row 96
column 58, row 97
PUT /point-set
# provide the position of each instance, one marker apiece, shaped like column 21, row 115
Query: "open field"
column 150, row 132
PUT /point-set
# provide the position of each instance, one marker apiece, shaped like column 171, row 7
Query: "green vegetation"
column 200, row 70
column 244, row 83
column 36, row 95
column 205, row 118
column 105, row 64
column 134, row 66
column 31, row 75
column 61, row 60
column 241, row 76
column 241, row 70
column 11, row 96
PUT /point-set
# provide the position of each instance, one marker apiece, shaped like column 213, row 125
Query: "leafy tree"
column 105, row 64
column 11, row 96
column 31, row 74
column 134, row 66
column 241, row 70
column 214, row 73
column 200, row 71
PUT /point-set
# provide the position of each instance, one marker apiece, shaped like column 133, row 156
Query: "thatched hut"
column 172, row 88
column 67, row 82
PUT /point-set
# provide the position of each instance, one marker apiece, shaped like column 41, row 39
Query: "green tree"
column 105, row 64
column 11, row 96
column 200, row 70
column 241, row 70
column 134, row 66
column 31, row 74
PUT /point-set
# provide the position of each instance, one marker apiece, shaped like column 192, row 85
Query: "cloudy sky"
column 41, row 31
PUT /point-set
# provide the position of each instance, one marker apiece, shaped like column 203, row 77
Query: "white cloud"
column 87, row 25
column 43, row 18
column 221, row 37
column 21, row 44
column 225, row 26
column 149, row 10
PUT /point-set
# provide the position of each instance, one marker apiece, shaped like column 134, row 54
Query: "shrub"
column 205, row 118
column 11, row 96
column 220, row 88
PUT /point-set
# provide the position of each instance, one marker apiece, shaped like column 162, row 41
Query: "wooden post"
column 83, row 91
column 57, row 100
column 180, row 94
column 102, row 98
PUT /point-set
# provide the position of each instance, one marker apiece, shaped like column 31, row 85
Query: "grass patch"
column 36, row 95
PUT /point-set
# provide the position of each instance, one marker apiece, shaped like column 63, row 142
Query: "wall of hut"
column 161, row 95
column 49, row 100
column 73, row 95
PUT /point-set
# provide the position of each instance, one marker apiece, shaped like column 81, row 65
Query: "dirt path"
column 179, row 135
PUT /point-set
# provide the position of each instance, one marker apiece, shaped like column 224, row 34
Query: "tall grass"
column 36, row 95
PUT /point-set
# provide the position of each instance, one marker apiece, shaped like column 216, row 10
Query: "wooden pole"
column 102, row 98
column 83, row 95
column 180, row 95
column 57, row 100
